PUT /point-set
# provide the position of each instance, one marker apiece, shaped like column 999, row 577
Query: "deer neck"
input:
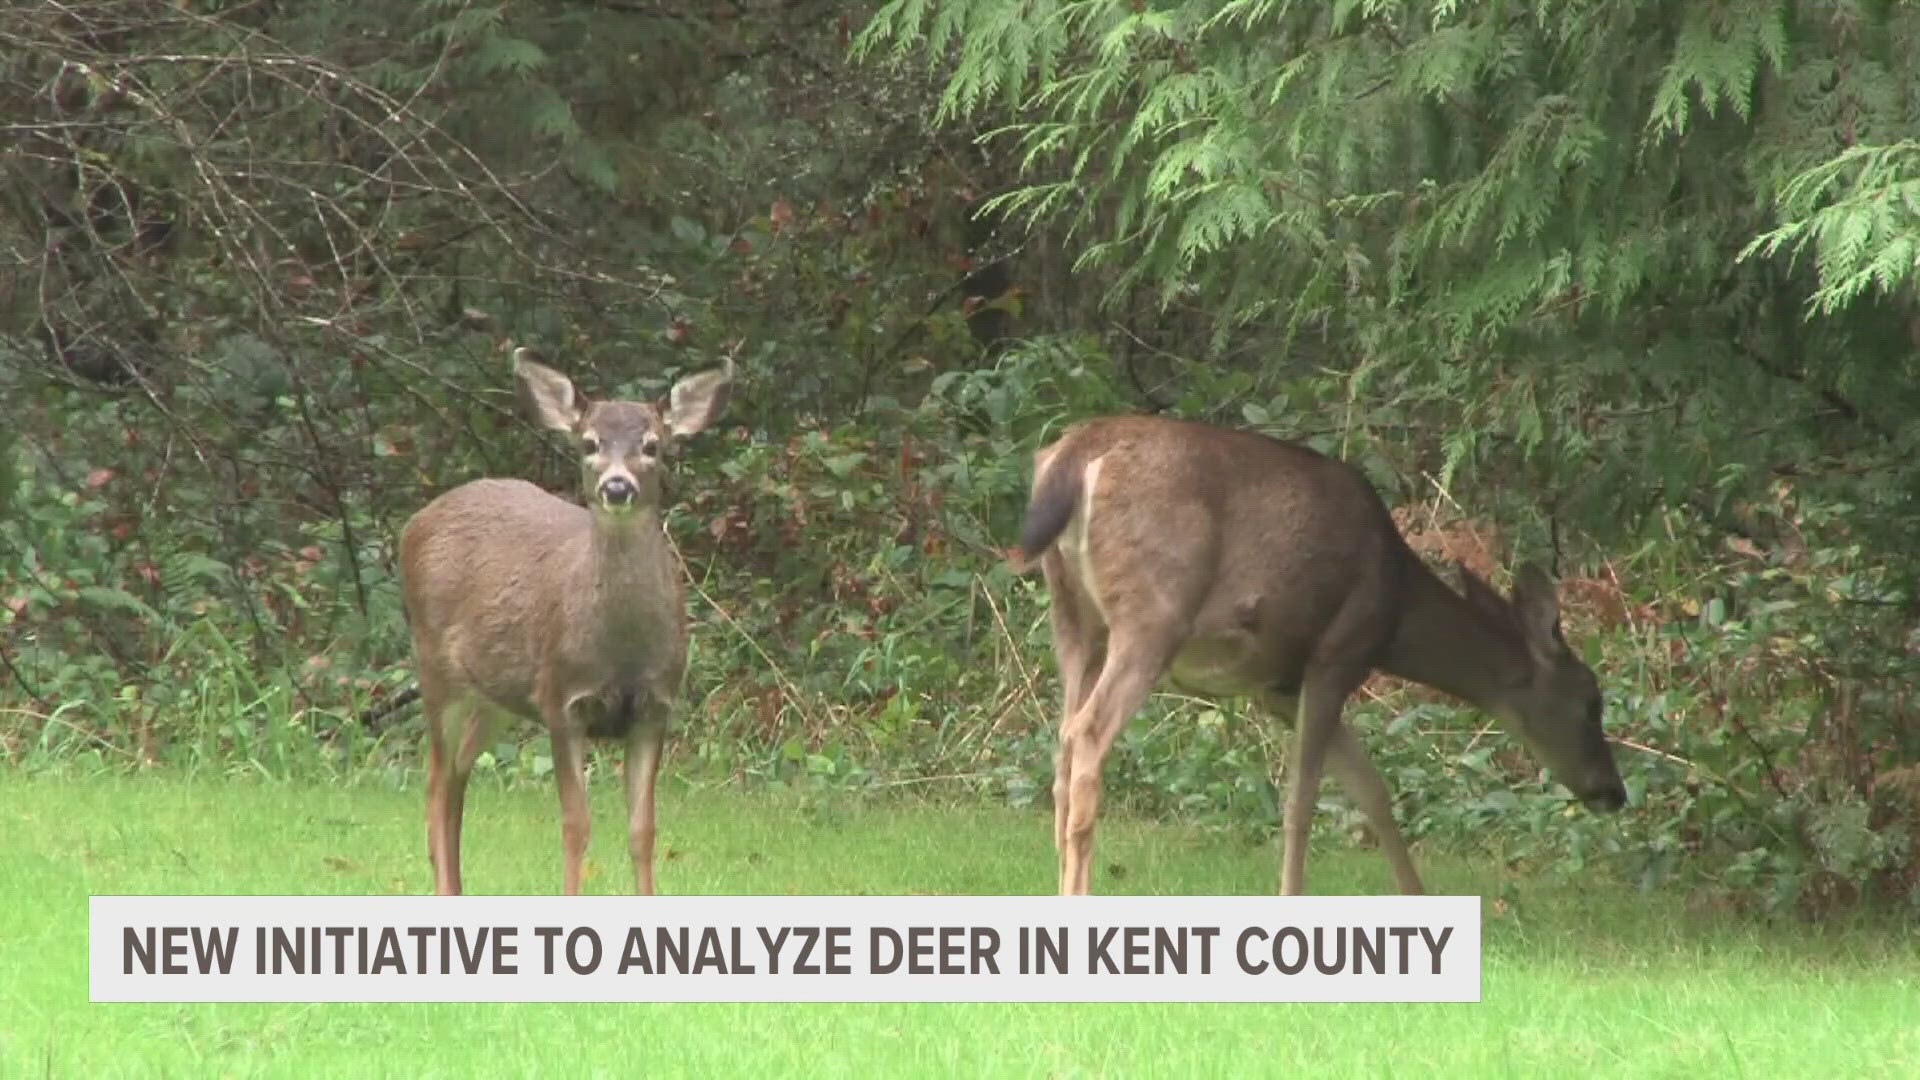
column 1446, row 643
column 628, row 575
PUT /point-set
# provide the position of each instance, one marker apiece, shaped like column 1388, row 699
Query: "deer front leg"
column 1354, row 768
column 570, row 774
column 1347, row 757
column 1322, row 693
column 644, row 741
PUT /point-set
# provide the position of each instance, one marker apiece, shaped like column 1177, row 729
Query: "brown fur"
column 524, row 605
column 1231, row 563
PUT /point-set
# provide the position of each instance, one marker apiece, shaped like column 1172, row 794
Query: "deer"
column 524, row 605
column 1236, row 565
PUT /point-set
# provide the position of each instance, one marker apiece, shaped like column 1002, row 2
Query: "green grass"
column 1580, row 976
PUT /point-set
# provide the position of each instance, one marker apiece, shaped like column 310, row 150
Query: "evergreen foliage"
column 1561, row 238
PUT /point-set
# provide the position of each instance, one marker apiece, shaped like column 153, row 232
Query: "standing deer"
column 1238, row 564
column 523, row 604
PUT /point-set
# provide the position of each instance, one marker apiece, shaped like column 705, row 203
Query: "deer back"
column 1225, row 537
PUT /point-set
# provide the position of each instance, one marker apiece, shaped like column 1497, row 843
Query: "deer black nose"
column 617, row 491
column 1607, row 800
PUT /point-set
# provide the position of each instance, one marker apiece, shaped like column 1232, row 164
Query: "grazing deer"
column 1238, row 564
column 523, row 604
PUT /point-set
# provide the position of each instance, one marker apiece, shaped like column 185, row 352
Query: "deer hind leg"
column 445, row 815
column 1133, row 665
column 644, row 740
column 1080, row 647
column 443, row 848
column 457, row 729
column 1322, row 693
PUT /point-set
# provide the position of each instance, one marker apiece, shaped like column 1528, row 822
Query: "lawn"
column 1581, row 975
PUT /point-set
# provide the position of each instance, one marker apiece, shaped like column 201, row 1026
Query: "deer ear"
column 698, row 400
column 550, row 395
column 1480, row 594
column 1536, row 605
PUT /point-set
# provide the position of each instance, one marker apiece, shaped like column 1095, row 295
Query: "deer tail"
column 1057, row 488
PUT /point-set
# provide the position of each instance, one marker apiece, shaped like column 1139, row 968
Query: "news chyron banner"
column 784, row 948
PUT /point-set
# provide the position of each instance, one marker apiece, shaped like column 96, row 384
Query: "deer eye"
column 650, row 448
column 590, row 443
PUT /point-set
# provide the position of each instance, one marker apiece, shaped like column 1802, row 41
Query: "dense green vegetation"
column 1575, row 975
column 1623, row 284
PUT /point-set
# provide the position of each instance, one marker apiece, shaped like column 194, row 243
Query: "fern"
column 548, row 115
column 502, row 54
column 187, row 574
column 111, row 600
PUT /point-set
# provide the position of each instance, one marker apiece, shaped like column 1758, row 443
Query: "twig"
column 1760, row 748
column 1659, row 753
column 6, row 656
column 786, row 685
column 906, row 781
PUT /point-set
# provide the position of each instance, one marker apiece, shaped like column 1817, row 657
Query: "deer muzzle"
column 618, row 491
column 1607, row 799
